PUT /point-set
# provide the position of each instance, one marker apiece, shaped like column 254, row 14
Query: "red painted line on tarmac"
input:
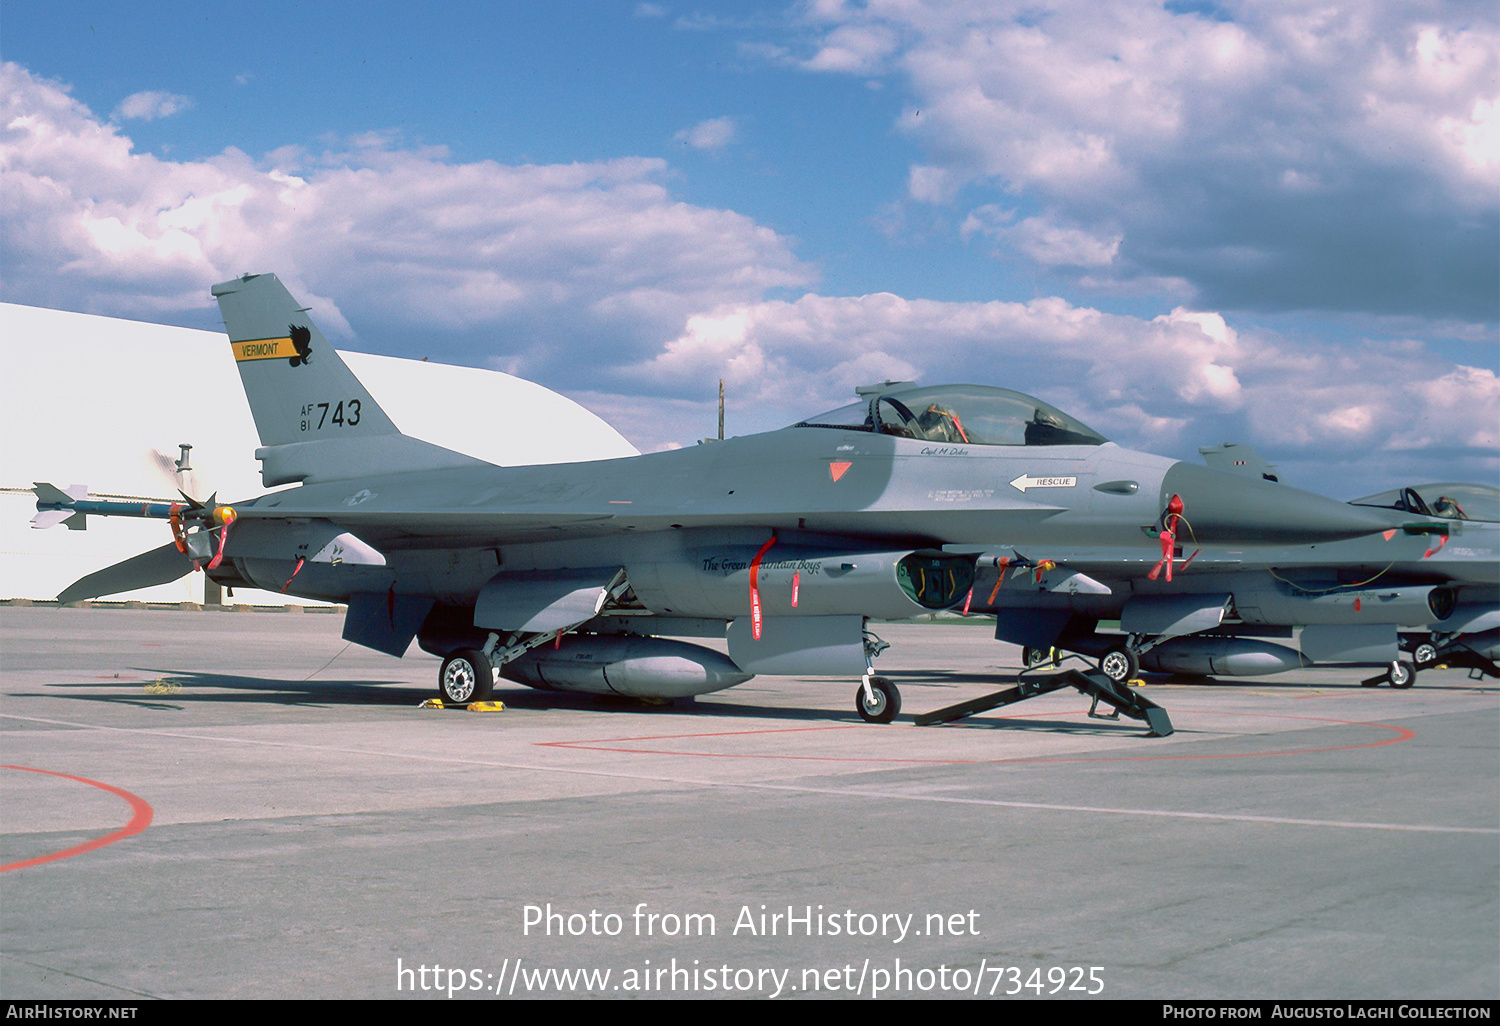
column 613, row 745
column 139, row 820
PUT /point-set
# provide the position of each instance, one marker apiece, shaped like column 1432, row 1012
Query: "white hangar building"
column 105, row 402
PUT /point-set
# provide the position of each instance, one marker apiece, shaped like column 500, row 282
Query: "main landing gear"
column 1120, row 664
column 466, row 676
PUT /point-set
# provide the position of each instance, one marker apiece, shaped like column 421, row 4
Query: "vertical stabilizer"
column 315, row 420
column 298, row 387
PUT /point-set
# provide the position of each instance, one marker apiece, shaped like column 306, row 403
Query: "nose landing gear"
column 877, row 701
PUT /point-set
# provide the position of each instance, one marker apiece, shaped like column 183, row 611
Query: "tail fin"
column 316, row 421
column 299, row 389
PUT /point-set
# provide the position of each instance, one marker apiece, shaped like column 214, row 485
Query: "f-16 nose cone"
column 1224, row 508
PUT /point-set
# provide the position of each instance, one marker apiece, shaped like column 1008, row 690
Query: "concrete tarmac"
column 255, row 809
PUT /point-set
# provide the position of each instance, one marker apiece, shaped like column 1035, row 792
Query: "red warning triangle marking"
column 836, row 470
column 1388, row 534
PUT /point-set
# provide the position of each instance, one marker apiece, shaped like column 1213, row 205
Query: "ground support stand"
column 1099, row 687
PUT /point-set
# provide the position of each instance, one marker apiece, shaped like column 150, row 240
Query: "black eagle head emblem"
column 302, row 342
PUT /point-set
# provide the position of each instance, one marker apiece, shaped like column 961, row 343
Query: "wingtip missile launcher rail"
column 200, row 530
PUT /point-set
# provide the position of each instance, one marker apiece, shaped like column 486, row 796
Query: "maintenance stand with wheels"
column 1098, row 685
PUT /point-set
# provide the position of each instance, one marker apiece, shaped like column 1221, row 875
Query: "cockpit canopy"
column 959, row 414
column 1453, row 500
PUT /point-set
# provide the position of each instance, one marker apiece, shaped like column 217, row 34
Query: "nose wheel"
column 1402, row 674
column 880, row 704
column 1033, row 657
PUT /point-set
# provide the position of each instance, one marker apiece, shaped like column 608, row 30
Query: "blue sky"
column 1185, row 223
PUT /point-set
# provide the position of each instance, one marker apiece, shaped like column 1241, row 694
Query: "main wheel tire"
column 1120, row 664
column 1402, row 674
column 886, row 704
column 1424, row 654
column 466, row 677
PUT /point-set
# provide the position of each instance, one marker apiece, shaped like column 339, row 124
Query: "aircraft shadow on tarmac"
column 185, row 687
column 204, row 689
column 178, row 686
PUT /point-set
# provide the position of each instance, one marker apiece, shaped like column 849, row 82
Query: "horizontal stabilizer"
column 159, row 566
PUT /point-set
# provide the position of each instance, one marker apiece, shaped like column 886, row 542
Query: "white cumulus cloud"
column 523, row 260
column 1171, row 383
column 151, row 105
column 1339, row 155
column 713, row 134
column 592, row 278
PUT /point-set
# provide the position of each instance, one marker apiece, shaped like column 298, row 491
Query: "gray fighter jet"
column 1405, row 598
column 579, row 577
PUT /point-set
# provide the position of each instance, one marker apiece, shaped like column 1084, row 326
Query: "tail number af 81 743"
column 343, row 414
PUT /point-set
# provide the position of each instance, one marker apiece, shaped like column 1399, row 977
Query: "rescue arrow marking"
column 1026, row 481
